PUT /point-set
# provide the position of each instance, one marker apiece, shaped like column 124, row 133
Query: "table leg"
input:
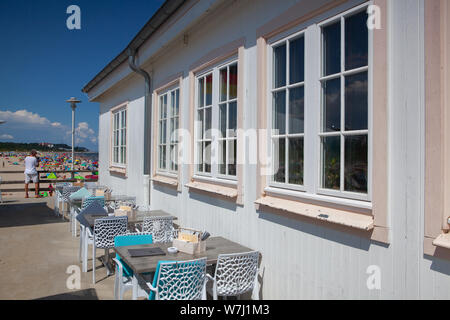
column 134, row 281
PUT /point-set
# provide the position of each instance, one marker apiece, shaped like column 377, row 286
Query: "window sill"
column 337, row 216
column 212, row 188
column 119, row 171
column 165, row 180
column 443, row 241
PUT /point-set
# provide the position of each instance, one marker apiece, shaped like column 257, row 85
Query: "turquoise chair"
column 124, row 273
column 179, row 280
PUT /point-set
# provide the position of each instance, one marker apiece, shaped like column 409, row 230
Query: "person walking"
column 31, row 174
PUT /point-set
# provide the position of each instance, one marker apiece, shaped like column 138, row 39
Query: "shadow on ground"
column 87, row 294
column 15, row 214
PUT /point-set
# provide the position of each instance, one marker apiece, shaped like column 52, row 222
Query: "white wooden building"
column 349, row 197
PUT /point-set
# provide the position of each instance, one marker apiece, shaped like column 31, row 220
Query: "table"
column 141, row 265
column 133, row 219
column 90, row 219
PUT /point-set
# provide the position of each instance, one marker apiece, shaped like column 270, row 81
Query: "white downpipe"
column 146, row 191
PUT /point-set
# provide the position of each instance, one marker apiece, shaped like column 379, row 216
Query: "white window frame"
column 122, row 148
column 311, row 189
column 214, row 175
column 168, row 170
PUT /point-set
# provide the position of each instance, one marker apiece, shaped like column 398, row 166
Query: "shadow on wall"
column 212, row 200
column 164, row 189
column 343, row 235
column 440, row 262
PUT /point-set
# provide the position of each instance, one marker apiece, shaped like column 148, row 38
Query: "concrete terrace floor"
column 36, row 250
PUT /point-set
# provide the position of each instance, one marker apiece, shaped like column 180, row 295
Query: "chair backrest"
column 236, row 272
column 88, row 200
column 160, row 227
column 106, row 229
column 67, row 191
column 90, row 185
column 179, row 280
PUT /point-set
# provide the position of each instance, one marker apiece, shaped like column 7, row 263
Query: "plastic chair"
column 105, row 230
column 236, row 273
column 86, row 235
column 65, row 197
column 179, row 280
column 124, row 274
column 58, row 194
column 160, row 227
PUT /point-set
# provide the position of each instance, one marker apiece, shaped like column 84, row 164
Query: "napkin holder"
column 189, row 242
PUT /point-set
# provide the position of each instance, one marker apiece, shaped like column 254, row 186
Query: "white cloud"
column 27, row 126
column 24, row 116
column 83, row 133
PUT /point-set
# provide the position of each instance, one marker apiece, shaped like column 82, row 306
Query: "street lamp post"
column 73, row 104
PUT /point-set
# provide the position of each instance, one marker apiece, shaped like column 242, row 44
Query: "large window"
column 168, row 123
column 320, row 108
column 288, row 110
column 344, row 110
column 216, row 122
column 119, row 154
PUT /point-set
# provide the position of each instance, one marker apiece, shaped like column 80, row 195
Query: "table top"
column 139, row 217
column 214, row 247
column 111, row 199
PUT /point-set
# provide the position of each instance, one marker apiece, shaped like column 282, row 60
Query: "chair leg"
column 80, row 250
column 93, row 263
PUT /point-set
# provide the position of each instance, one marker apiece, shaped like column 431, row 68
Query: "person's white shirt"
column 30, row 165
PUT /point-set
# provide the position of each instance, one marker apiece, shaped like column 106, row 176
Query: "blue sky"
column 43, row 63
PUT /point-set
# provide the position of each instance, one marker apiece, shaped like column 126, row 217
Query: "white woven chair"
column 58, row 194
column 236, row 274
column 160, row 227
column 105, row 230
column 179, row 280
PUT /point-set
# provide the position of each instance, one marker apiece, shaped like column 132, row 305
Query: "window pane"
column 161, row 103
column 173, row 157
column 279, row 66
column 163, row 131
column 332, row 105
column 223, row 119
column 297, row 60
column 233, row 81
column 200, row 124
column 123, row 137
column 124, row 119
column 208, row 89
column 200, row 157
column 231, row 157
column 331, row 168
column 201, row 88
column 279, row 160
column 207, row 156
column 116, row 121
column 223, row 84
column 164, row 107
column 232, row 119
column 177, row 103
column 208, row 122
column 279, row 112
column 332, row 49
column 356, row 41
column 296, row 110
column 222, row 156
column 162, row 157
column 123, row 155
column 356, row 102
column 296, row 161
column 116, row 154
column 116, row 139
column 356, row 163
